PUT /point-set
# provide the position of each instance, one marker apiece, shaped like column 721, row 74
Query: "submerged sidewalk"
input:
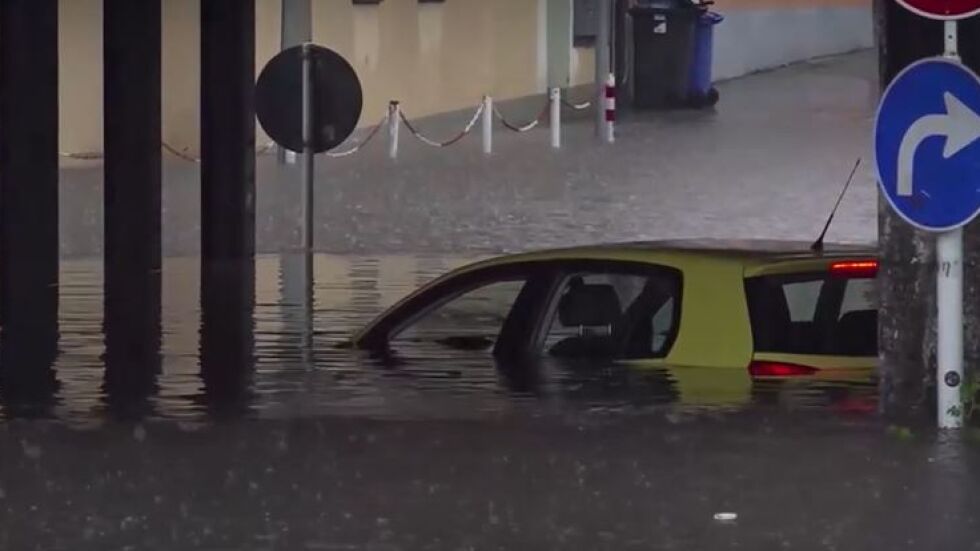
column 767, row 162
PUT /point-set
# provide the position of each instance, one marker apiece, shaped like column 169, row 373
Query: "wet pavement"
column 768, row 162
column 300, row 445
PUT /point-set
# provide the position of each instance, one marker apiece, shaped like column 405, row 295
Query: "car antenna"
column 818, row 244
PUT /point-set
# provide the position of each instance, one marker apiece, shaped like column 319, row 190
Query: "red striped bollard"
column 610, row 133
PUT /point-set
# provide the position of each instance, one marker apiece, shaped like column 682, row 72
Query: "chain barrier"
column 508, row 124
column 184, row 156
column 449, row 142
column 90, row 156
column 367, row 139
column 180, row 154
column 521, row 128
column 576, row 106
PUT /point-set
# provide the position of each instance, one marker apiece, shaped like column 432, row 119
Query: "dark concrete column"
column 227, row 342
column 28, row 194
column 908, row 275
column 227, row 129
column 132, row 43
column 227, row 195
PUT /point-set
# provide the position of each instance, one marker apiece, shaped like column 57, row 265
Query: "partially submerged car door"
column 492, row 309
column 612, row 310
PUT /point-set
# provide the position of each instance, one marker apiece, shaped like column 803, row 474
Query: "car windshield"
column 813, row 314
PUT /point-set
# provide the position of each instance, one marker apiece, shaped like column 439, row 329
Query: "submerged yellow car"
column 771, row 309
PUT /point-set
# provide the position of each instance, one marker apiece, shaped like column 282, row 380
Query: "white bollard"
column 610, row 105
column 394, row 124
column 556, row 118
column 487, row 125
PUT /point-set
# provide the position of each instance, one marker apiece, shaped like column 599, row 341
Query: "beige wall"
column 80, row 75
column 433, row 58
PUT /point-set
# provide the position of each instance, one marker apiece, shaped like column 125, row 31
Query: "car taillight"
column 779, row 369
column 855, row 268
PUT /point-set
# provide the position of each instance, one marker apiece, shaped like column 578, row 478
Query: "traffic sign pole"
column 306, row 172
column 949, row 348
column 949, row 300
column 933, row 184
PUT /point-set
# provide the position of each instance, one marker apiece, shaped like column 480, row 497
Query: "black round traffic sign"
column 337, row 98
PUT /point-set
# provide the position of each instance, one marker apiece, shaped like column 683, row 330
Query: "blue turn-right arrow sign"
column 927, row 144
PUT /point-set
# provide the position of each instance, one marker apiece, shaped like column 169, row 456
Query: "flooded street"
column 305, row 444
column 300, row 371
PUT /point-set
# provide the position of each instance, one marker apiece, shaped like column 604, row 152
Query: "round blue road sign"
column 927, row 144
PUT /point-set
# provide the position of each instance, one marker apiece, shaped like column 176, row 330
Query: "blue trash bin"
column 702, row 93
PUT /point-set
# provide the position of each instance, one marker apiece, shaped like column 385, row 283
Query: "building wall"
column 432, row 57
column 761, row 34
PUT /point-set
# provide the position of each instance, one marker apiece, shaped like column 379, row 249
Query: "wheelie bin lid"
column 647, row 6
column 711, row 18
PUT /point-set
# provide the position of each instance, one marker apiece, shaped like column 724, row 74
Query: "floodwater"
column 293, row 364
column 246, row 427
column 273, row 438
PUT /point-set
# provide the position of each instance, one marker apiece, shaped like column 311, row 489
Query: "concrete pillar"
column 28, row 195
column 132, row 43
column 908, row 275
column 227, row 343
column 227, row 195
column 228, row 130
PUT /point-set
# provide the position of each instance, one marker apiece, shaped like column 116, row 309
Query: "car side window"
column 802, row 298
column 614, row 313
column 470, row 318
column 860, row 295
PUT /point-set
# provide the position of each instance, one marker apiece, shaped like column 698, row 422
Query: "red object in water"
column 779, row 369
column 943, row 9
column 855, row 268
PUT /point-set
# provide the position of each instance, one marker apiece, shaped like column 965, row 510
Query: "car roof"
column 745, row 251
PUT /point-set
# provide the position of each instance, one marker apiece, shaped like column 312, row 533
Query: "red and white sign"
column 943, row 9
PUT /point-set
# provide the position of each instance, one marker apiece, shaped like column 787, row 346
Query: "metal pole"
column 307, row 170
column 394, row 123
column 949, row 297
column 296, row 28
column 610, row 109
column 949, row 302
column 603, row 46
column 951, row 40
column 487, row 125
column 556, row 118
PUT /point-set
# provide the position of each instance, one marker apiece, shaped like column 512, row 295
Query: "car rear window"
column 819, row 314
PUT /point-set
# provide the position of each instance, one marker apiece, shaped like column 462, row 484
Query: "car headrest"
column 589, row 305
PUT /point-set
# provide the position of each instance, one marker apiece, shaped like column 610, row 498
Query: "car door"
column 606, row 330
column 483, row 313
